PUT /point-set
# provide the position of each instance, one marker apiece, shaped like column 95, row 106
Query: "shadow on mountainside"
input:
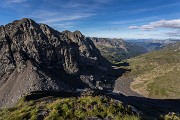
column 110, row 78
column 149, row 107
column 122, row 64
column 115, row 73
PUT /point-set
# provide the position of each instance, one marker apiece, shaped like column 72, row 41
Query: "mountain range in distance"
column 116, row 50
column 152, row 44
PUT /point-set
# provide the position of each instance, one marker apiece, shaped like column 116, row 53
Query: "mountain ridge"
column 116, row 50
column 36, row 57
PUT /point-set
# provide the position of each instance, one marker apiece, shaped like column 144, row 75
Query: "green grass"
column 170, row 116
column 69, row 108
column 157, row 74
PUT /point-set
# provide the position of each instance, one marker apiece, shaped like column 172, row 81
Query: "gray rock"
column 35, row 57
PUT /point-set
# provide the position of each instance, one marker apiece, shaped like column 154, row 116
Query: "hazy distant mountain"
column 152, row 44
column 116, row 50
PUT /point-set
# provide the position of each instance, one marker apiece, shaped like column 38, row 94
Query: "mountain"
column 156, row 74
column 116, row 50
column 62, row 75
column 152, row 44
column 35, row 57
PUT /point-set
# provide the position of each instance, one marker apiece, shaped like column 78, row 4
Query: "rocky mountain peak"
column 23, row 21
column 78, row 33
column 35, row 57
column 75, row 36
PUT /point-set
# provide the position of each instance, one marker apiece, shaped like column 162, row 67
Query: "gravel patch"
column 122, row 85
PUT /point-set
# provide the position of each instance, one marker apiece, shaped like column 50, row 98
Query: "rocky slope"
column 116, row 50
column 35, row 57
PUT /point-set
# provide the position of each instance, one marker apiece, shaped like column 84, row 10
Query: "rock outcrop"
column 35, row 57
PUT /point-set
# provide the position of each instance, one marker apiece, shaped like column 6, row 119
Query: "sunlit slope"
column 157, row 74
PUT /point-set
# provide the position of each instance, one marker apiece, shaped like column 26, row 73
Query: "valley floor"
column 122, row 85
column 149, row 107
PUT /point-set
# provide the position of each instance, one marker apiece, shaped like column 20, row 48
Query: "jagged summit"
column 35, row 57
column 23, row 20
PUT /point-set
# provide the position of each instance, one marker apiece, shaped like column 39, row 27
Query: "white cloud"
column 112, row 29
column 16, row 4
column 174, row 24
column 147, row 27
column 173, row 34
column 139, row 20
column 16, row 1
column 133, row 27
column 66, row 18
column 66, row 11
column 64, row 25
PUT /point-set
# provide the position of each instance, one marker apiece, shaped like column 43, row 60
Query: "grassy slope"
column 68, row 108
column 113, row 54
column 157, row 74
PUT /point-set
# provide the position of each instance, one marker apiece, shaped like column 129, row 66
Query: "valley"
column 89, row 60
column 156, row 67
column 116, row 50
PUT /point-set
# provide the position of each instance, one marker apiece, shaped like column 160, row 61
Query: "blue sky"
column 100, row 18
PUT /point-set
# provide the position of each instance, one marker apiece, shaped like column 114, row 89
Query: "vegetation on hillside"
column 118, row 54
column 157, row 74
column 170, row 116
column 74, row 108
column 113, row 54
column 116, row 50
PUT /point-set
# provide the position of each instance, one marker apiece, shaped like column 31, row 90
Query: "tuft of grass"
column 170, row 116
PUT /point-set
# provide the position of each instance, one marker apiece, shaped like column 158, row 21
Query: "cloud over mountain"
column 173, row 24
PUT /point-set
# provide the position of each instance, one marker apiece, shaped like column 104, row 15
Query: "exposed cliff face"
column 36, row 57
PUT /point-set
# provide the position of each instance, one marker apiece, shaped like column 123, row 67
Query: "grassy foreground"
column 68, row 108
column 75, row 108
